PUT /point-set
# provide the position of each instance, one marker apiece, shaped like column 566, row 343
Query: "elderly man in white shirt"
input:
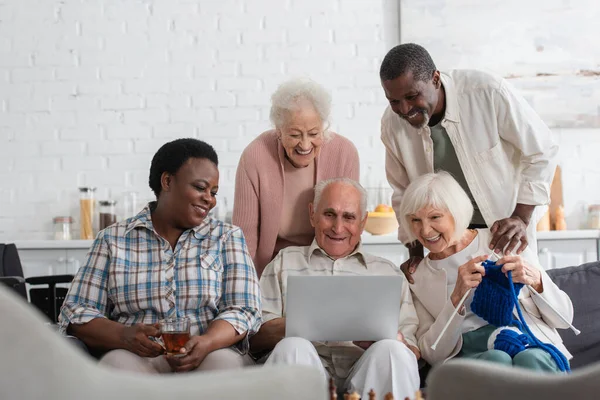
column 476, row 127
column 338, row 214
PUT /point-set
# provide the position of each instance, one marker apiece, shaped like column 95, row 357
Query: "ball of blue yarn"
column 511, row 342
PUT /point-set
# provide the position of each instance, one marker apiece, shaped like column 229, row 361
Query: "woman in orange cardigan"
column 279, row 169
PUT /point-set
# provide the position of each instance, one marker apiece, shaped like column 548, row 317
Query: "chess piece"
column 352, row 396
column 372, row 394
column 332, row 390
column 389, row 396
column 419, row 395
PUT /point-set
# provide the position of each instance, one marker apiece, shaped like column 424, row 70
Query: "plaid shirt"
column 132, row 275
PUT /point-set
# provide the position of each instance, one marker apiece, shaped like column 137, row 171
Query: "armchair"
column 37, row 363
column 474, row 379
column 47, row 300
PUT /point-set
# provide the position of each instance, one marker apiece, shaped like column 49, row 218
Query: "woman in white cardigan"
column 436, row 211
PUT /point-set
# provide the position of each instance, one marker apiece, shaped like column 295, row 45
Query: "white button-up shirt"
column 505, row 150
column 337, row 357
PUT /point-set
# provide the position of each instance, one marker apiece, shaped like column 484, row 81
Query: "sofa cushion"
column 582, row 284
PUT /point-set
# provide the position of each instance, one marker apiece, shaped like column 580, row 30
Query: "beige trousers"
column 218, row 359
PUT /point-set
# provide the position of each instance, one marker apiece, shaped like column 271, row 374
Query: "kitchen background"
column 90, row 89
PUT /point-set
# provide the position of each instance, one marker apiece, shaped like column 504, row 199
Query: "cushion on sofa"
column 582, row 284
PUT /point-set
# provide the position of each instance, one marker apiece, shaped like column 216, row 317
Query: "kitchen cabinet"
column 52, row 257
column 566, row 253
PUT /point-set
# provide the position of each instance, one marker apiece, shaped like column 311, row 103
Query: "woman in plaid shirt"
column 171, row 260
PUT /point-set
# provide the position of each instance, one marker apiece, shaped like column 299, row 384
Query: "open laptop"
column 343, row 308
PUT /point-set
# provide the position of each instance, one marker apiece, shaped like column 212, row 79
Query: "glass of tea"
column 175, row 333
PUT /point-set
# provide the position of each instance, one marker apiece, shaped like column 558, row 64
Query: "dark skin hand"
column 137, row 340
column 415, row 256
column 507, row 232
column 104, row 334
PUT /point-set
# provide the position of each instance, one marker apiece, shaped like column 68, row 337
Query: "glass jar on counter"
column 108, row 213
column 62, row 228
column 594, row 216
column 86, row 213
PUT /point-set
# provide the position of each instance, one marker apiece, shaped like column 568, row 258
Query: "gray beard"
column 426, row 119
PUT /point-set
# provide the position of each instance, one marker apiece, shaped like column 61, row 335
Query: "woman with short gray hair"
column 436, row 211
column 279, row 169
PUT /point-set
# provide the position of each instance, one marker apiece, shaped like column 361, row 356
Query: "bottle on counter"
column 108, row 213
column 86, row 212
column 593, row 217
column 560, row 224
column 129, row 205
column 62, row 228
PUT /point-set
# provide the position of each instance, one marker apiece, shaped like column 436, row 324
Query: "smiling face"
column 434, row 228
column 302, row 135
column 191, row 192
column 416, row 101
column 338, row 220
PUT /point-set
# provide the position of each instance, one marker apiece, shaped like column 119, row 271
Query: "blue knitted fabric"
column 494, row 301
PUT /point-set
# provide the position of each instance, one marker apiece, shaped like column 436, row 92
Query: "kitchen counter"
column 367, row 238
column 53, row 244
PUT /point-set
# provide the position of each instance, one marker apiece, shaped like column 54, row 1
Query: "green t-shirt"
column 444, row 158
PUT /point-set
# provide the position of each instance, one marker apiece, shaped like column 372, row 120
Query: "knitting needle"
column 575, row 330
column 460, row 303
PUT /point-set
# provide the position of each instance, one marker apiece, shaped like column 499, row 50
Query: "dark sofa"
column 582, row 284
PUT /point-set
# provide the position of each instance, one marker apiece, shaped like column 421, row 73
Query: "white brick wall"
column 90, row 90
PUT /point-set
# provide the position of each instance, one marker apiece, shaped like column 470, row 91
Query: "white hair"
column 322, row 185
column 291, row 95
column 439, row 190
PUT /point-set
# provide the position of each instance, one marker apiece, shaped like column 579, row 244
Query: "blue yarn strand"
column 557, row 355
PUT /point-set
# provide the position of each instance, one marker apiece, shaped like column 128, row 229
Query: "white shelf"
column 53, row 244
column 566, row 235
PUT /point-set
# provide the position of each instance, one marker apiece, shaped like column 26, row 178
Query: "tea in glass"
column 175, row 333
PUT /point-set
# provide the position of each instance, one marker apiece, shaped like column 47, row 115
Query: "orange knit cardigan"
column 259, row 187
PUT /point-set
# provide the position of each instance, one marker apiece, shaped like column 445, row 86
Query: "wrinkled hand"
column 409, row 267
column 469, row 277
column 195, row 350
column 522, row 272
column 508, row 231
column 136, row 339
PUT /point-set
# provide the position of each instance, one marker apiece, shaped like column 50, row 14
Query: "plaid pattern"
column 132, row 275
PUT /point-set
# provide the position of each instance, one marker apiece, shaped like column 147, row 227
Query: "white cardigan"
column 434, row 308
